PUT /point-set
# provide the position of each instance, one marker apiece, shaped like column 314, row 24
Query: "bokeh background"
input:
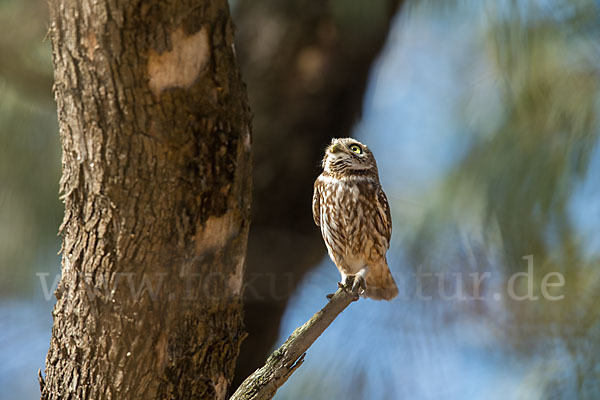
column 483, row 116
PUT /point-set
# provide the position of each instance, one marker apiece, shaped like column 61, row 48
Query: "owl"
column 352, row 211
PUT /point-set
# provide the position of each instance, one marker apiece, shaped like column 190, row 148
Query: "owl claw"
column 359, row 284
column 352, row 285
column 346, row 287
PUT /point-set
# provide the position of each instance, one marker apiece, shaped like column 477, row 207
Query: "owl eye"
column 356, row 148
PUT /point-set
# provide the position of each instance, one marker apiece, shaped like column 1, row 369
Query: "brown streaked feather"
column 385, row 214
column 316, row 204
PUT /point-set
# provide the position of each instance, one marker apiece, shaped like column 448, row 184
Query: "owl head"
column 347, row 156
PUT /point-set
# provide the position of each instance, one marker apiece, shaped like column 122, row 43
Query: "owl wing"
column 384, row 213
column 316, row 203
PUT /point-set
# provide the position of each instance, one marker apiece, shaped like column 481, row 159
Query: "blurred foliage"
column 514, row 188
column 29, row 149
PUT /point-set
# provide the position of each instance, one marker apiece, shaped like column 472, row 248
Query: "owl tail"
column 381, row 284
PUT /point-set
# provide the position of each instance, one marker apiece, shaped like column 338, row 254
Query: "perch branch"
column 280, row 365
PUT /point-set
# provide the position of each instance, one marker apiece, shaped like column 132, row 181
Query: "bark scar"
column 182, row 65
column 90, row 43
column 220, row 385
column 216, row 232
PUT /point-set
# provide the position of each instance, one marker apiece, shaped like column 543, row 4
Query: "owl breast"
column 351, row 222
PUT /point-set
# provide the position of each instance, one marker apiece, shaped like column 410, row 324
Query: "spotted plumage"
column 352, row 211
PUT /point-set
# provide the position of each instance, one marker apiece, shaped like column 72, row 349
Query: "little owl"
column 354, row 216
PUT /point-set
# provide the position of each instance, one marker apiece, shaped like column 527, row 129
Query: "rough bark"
column 155, row 131
column 281, row 364
column 306, row 64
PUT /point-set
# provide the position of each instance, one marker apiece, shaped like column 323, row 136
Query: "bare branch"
column 280, row 365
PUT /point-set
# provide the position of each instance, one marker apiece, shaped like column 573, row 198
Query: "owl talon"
column 352, row 282
column 341, row 286
column 359, row 284
column 346, row 286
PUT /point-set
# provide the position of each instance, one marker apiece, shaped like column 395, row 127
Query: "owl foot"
column 358, row 281
column 352, row 285
column 345, row 286
column 359, row 284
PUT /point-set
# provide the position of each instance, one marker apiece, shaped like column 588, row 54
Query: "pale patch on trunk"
column 214, row 235
column 90, row 42
column 181, row 66
column 220, row 384
column 216, row 232
column 235, row 282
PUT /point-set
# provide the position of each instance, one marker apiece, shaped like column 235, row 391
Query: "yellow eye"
column 356, row 148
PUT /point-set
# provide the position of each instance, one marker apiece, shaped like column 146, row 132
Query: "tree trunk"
column 307, row 64
column 155, row 131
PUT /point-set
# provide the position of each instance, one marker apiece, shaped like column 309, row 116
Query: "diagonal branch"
column 280, row 365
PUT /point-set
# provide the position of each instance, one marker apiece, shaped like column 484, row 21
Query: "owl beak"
column 335, row 148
